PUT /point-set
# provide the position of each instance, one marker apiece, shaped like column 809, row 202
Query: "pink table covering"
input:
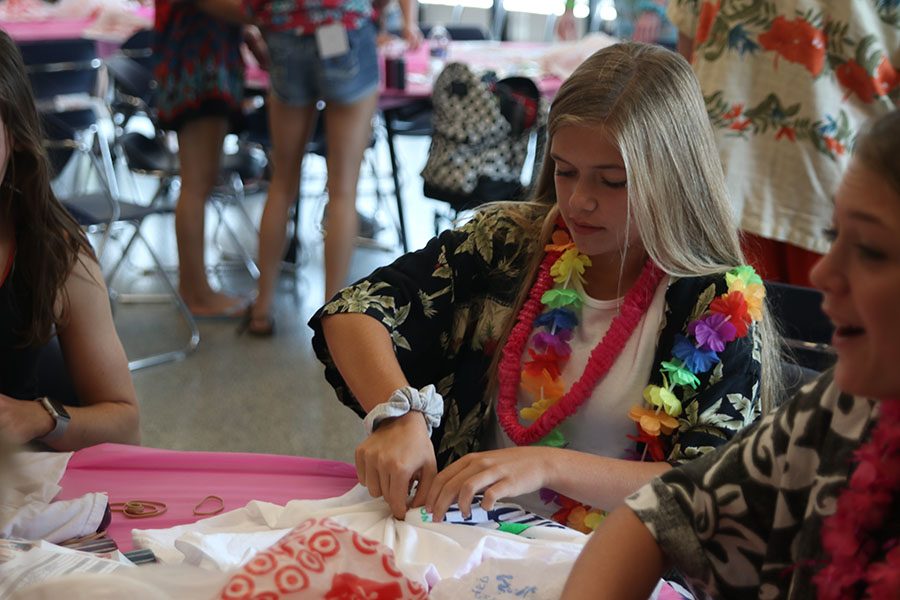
column 55, row 29
column 506, row 58
column 182, row 479
column 71, row 29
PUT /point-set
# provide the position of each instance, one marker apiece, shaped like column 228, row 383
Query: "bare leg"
column 348, row 130
column 199, row 148
column 290, row 128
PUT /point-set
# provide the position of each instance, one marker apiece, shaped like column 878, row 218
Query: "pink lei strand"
column 602, row 357
column 863, row 508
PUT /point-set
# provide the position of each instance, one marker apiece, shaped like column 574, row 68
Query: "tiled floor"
column 260, row 395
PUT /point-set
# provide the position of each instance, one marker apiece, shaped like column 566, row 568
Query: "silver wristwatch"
column 60, row 418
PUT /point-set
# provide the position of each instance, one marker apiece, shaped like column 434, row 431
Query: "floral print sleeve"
column 743, row 522
column 444, row 307
column 683, row 14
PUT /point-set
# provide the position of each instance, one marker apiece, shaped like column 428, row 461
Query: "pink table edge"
column 182, row 479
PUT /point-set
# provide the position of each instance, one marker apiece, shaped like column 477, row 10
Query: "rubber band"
column 139, row 509
column 208, row 513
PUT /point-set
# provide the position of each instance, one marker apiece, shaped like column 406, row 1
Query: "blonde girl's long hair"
column 649, row 103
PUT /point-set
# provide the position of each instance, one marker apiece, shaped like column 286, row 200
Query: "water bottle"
column 438, row 49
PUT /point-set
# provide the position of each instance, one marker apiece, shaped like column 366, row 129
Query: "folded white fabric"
column 27, row 509
column 424, row 551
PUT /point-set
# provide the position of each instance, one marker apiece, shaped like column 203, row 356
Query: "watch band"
column 60, row 419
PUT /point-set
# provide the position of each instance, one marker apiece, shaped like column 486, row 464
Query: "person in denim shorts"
column 298, row 34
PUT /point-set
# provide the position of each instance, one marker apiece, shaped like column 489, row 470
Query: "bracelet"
column 426, row 401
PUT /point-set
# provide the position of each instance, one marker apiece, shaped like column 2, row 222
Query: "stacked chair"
column 63, row 76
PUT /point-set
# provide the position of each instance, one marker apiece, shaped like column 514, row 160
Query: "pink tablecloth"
column 182, row 479
column 506, row 58
column 114, row 29
column 56, row 29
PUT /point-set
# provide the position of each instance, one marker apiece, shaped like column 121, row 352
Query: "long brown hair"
column 48, row 240
column 648, row 100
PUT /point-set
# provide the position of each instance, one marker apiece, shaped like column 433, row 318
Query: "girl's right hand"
column 398, row 453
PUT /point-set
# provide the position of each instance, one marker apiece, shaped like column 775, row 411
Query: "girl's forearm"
column 621, row 561
column 364, row 354
column 600, row 481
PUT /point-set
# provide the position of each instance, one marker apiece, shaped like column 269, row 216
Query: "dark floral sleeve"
column 425, row 299
column 743, row 522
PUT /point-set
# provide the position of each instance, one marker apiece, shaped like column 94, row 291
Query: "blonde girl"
column 579, row 343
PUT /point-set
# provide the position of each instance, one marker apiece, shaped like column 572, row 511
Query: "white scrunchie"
column 426, row 401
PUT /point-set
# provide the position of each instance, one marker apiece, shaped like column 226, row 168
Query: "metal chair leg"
column 193, row 342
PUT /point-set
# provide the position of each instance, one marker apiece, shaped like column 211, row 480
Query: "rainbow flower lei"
column 726, row 318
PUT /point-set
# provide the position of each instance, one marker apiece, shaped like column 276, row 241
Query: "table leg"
column 389, row 129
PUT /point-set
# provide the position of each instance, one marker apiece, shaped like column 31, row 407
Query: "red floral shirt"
column 787, row 85
column 304, row 16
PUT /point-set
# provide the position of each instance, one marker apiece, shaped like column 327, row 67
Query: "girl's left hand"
column 499, row 473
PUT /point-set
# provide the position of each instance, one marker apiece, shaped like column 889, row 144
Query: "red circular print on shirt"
column 239, row 588
column 364, row 544
column 261, row 564
column 291, row 579
column 307, row 524
column 324, row 543
column 311, row 560
column 415, row 587
column 390, row 568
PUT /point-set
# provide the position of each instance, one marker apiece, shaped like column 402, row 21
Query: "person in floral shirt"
column 787, row 86
column 578, row 363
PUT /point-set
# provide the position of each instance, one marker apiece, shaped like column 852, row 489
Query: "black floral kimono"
column 446, row 305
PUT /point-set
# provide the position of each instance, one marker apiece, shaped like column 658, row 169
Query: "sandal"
column 247, row 321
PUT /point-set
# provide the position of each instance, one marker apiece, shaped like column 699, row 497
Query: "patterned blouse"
column 446, row 305
column 788, row 83
column 744, row 522
column 199, row 67
column 305, row 16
